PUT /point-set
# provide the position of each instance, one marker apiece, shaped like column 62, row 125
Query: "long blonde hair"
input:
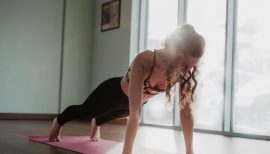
column 186, row 40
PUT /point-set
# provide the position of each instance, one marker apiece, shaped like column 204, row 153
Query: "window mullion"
column 182, row 12
column 229, row 65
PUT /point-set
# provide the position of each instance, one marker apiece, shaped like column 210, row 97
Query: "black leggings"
column 106, row 102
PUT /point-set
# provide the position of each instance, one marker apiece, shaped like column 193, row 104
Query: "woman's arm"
column 137, row 76
column 187, row 126
column 187, row 121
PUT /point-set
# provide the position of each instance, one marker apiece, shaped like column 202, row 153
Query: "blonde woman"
column 150, row 73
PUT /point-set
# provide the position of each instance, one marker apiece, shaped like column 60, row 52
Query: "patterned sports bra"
column 148, row 88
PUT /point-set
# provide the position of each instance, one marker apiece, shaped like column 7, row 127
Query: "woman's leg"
column 72, row 112
column 120, row 113
column 96, row 122
column 100, row 101
column 75, row 112
column 97, row 103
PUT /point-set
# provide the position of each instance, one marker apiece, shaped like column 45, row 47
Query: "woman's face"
column 185, row 62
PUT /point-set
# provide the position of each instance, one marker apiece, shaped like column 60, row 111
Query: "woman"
column 149, row 74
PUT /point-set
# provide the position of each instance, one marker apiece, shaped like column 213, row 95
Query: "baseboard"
column 26, row 116
column 36, row 116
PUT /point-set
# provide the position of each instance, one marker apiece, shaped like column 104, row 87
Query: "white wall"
column 30, row 45
column 112, row 49
column 77, row 52
column 30, row 54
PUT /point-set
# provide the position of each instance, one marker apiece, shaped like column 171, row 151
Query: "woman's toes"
column 94, row 139
column 58, row 139
column 51, row 139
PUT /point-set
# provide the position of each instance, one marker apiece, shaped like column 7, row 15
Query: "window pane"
column 209, row 19
column 252, row 70
column 162, row 20
column 155, row 111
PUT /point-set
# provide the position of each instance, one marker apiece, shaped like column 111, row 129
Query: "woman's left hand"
column 190, row 152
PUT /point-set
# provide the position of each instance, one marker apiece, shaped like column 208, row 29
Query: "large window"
column 209, row 19
column 233, row 94
column 252, row 69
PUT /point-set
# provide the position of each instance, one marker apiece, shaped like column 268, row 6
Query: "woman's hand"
column 190, row 152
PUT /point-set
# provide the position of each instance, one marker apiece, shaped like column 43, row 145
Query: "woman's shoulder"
column 145, row 58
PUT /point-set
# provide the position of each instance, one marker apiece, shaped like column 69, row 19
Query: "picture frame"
column 110, row 15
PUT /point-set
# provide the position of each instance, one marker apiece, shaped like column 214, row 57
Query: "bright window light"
column 252, row 69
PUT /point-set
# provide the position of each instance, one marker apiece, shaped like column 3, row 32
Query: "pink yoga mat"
column 82, row 144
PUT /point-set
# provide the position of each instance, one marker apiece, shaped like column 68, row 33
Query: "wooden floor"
column 14, row 139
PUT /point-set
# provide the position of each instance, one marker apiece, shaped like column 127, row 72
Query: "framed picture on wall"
column 110, row 15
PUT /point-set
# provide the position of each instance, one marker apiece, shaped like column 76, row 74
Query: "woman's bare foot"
column 55, row 132
column 95, row 131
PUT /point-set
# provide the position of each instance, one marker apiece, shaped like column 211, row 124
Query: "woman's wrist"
column 189, row 150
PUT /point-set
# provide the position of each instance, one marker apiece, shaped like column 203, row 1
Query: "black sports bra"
column 154, row 90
